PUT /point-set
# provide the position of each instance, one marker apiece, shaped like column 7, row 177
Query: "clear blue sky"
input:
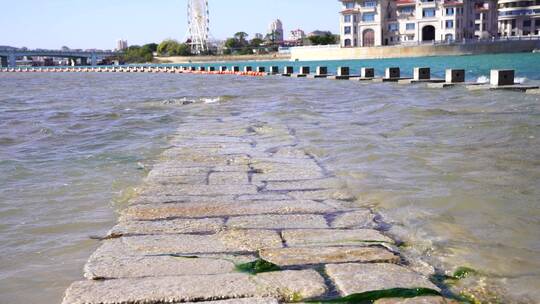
column 99, row 23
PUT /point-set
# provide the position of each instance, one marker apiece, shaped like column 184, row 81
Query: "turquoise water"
column 526, row 64
column 456, row 173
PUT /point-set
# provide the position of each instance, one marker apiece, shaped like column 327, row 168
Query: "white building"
column 121, row 45
column 275, row 31
column 390, row 22
column 297, row 35
column 519, row 18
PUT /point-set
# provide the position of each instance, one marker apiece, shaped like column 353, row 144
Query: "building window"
column 347, row 42
column 370, row 3
column 410, row 26
column 526, row 22
column 428, row 12
column 526, row 33
column 449, row 37
column 477, row 27
column 449, row 24
column 393, row 27
column 347, row 30
column 347, row 18
column 368, row 17
column 449, row 11
column 406, row 10
column 349, row 5
column 537, row 22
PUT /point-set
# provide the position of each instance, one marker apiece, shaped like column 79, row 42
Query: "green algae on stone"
column 371, row 296
column 463, row 272
column 257, row 266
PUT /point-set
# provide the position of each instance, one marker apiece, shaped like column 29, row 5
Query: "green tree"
column 256, row 42
column 137, row 54
column 171, row 47
column 241, row 38
column 323, row 40
column 152, row 46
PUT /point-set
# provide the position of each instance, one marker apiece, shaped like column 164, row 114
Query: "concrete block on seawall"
column 421, row 75
column 392, row 74
column 320, row 72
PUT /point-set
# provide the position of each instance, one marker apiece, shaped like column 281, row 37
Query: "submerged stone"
column 358, row 278
column 363, row 218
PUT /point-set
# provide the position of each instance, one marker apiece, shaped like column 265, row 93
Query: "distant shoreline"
column 223, row 58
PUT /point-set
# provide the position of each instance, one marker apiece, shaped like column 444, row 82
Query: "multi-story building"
column 275, row 31
column 297, row 35
column 390, row 22
column 121, row 45
column 519, row 17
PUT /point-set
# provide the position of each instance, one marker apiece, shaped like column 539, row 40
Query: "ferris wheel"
column 198, row 25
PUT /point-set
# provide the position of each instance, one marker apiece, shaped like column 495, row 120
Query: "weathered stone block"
column 282, row 285
column 358, row 278
column 322, row 70
column 333, row 237
column 226, row 241
column 325, row 255
column 205, row 190
column 310, row 184
column 228, row 178
column 367, row 72
column 288, row 70
column 421, row 73
column 268, row 221
column 355, row 219
column 198, row 210
column 241, row 301
column 417, row 300
column 343, row 71
column 393, row 72
column 454, row 75
column 337, row 194
column 124, row 228
column 501, row 77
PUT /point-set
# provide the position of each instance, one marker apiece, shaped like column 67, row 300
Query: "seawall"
column 336, row 53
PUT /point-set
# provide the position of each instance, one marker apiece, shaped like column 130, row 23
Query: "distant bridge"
column 8, row 57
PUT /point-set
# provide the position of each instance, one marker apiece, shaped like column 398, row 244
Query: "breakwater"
column 499, row 79
column 235, row 210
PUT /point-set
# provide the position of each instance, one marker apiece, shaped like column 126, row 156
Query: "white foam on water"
column 211, row 100
column 520, row 80
column 482, row 79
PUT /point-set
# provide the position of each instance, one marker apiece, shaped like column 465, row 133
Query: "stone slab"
column 115, row 267
column 240, row 301
column 282, row 285
column 358, row 278
column 333, row 237
column 175, row 226
column 327, row 194
column 533, row 91
column 171, row 199
column 228, row 178
column 199, row 210
column 417, row 300
column 362, row 218
column 225, row 241
column 325, row 255
column 194, row 190
column 310, row 184
column 288, row 221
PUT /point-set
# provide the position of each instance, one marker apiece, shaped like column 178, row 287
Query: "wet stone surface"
column 233, row 194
